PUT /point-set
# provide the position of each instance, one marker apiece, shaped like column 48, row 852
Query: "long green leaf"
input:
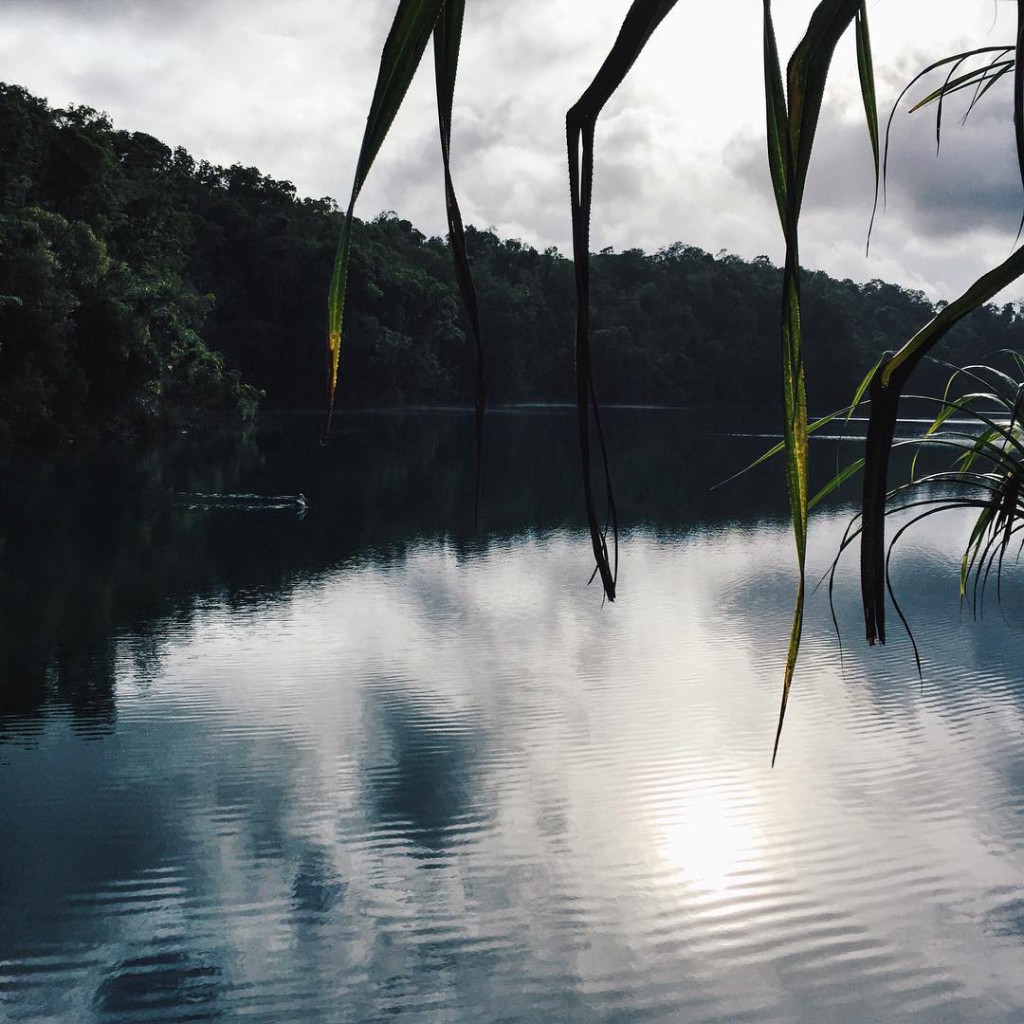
column 865, row 68
column 976, row 78
column 805, row 78
column 806, row 75
column 410, row 32
column 641, row 20
column 840, row 478
column 986, row 82
column 775, row 109
column 447, row 40
column 1018, row 91
column 954, row 59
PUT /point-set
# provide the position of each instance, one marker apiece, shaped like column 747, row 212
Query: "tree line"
column 141, row 289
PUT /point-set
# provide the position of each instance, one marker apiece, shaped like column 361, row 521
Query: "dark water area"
column 103, row 538
column 360, row 760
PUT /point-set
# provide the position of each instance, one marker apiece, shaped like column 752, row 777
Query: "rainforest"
column 145, row 290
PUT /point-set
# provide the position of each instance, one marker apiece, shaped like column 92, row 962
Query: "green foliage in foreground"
column 793, row 103
column 977, row 441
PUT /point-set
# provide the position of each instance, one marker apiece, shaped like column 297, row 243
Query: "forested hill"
column 140, row 288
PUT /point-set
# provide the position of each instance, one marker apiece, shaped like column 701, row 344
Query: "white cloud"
column 680, row 156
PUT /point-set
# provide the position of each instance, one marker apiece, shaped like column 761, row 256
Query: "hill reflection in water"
column 366, row 763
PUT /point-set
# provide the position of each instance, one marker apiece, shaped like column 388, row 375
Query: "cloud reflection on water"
column 458, row 786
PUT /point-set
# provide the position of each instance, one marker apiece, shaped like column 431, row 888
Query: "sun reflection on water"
column 705, row 841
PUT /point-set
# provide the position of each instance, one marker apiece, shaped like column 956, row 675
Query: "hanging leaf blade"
column 806, row 75
column 642, row 18
column 866, row 72
column 410, row 32
column 447, row 43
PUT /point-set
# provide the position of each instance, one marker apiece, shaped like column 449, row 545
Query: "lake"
column 364, row 761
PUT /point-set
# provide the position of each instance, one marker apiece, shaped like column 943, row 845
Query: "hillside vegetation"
column 141, row 289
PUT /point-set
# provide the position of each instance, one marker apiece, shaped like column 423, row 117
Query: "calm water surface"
column 365, row 763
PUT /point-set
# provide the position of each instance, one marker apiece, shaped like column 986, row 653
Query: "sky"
column 680, row 149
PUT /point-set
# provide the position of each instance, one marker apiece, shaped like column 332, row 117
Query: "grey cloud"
column 288, row 90
column 947, row 217
column 287, row 87
column 109, row 10
column 971, row 185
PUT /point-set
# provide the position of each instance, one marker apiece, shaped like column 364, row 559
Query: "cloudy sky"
column 285, row 86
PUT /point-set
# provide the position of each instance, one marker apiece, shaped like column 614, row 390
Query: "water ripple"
column 359, row 800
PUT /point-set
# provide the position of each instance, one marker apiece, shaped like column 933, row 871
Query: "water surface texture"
column 360, row 762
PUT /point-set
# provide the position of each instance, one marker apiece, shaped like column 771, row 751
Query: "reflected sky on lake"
column 445, row 781
column 464, row 789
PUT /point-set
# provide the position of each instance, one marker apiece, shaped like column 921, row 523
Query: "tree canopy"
column 140, row 288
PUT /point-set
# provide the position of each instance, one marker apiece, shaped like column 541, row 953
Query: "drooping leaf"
column 447, row 39
column 1018, row 91
column 641, row 20
column 806, row 75
column 805, row 79
column 995, row 71
column 775, row 109
column 881, row 427
column 976, row 78
column 945, row 89
column 410, row 31
column 866, row 70
column 954, row 59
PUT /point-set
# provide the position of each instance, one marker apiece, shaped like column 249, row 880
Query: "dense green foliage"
column 100, row 325
column 132, row 277
column 680, row 326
